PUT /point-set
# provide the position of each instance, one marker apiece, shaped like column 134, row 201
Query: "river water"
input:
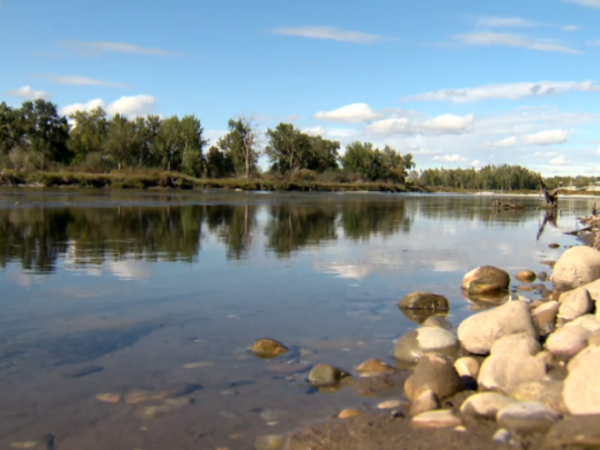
column 111, row 291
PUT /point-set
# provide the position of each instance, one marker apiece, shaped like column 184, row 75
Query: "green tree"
column 122, row 141
column 219, row 164
column 288, row 148
column 11, row 133
column 88, row 133
column 193, row 146
column 241, row 142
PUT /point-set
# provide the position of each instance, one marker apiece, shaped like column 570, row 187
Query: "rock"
column 414, row 344
column 109, row 397
column 525, row 288
column 390, row 404
column 544, row 317
column 374, row 366
column 582, row 385
column 548, row 392
column 589, row 322
column 548, row 262
column 516, row 343
column 527, row 417
column 594, row 338
column 486, row 279
column 349, row 412
column 566, row 342
column 579, row 432
column 554, row 245
column 323, row 375
column 436, row 419
column 543, row 276
column 502, row 435
column 433, row 372
column 478, row 333
column 467, row 367
column 269, row 442
column 268, row 348
column 504, row 372
column 24, row 444
column 574, row 304
column 526, row 276
column 485, row 405
column 424, row 300
column 168, row 406
column 576, row 267
column 427, row 401
column 438, row 322
column 545, row 356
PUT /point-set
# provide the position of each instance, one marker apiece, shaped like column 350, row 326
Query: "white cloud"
column 505, row 22
column 508, row 142
column 547, row 137
column 28, row 93
column 594, row 42
column 330, row 133
column 332, row 33
column 354, row 113
column 390, row 126
column 82, row 81
column 490, row 38
column 450, row 122
column 139, row 105
column 475, row 163
column 570, row 28
column 511, row 91
column 440, row 125
column 545, row 154
column 592, row 3
column 425, row 151
column 450, row 158
column 559, row 161
column 94, row 48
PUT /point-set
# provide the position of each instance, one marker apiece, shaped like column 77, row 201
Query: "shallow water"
column 109, row 291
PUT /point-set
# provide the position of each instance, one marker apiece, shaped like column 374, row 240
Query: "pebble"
column 461, row 429
column 272, row 423
column 374, row 365
column 268, row 348
column 527, row 417
column 436, row 419
column 349, row 412
column 323, row 375
column 109, row 397
column 526, row 276
column 390, row 404
column 199, row 364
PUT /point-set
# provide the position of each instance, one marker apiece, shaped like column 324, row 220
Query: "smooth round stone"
column 486, row 279
column 467, row 366
column 436, row 419
column 544, row 317
column 504, row 372
column 574, row 304
column 516, row 343
column 349, row 412
column 438, row 322
column 543, row 276
column 323, row 375
column 526, row 276
column 427, row 401
column 548, row 392
column 589, row 322
column 566, row 342
column 527, row 417
column 390, row 404
column 582, row 385
column 374, row 365
column 268, row 348
column 594, row 338
column 576, row 267
column 435, row 373
column 485, row 405
column 414, row 344
column 424, row 300
column 502, row 435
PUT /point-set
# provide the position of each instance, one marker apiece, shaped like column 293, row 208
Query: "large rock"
column 427, row 401
column 566, row 342
column 574, row 304
column 527, row 417
column 414, row 344
column 424, row 300
column 323, row 375
column 486, row 279
column 516, row 343
column 582, row 386
column 478, row 333
column 576, row 267
column 485, row 405
column 504, row 372
column 544, row 317
column 589, row 322
column 434, row 372
column 548, row 392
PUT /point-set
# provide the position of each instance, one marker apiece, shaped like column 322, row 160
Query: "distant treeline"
column 35, row 137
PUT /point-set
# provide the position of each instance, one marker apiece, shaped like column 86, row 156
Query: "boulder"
column 527, row 417
column 486, row 279
column 424, row 300
column 574, row 304
column 566, row 342
column 427, row 401
column 576, row 267
column 548, row 392
column 526, row 276
column 582, row 385
column 478, row 333
column 544, row 317
column 323, row 375
column 589, row 322
column 414, row 344
column 516, row 343
column 485, row 405
column 268, row 348
column 504, row 372
column 433, row 372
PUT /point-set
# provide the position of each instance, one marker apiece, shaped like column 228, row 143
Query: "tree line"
column 37, row 137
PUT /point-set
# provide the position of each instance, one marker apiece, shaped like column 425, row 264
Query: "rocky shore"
column 522, row 374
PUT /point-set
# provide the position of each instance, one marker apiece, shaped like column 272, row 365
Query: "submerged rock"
column 374, row 366
column 486, row 279
column 526, row 276
column 414, row 344
column 434, row 372
column 169, row 405
column 323, row 375
column 424, row 300
column 268, row 348
column 576, row 267
column 438, row 322
column 135, row 396
column 478, row 333
column 109, row 397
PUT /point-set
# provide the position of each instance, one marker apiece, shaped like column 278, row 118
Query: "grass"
column 175, row 180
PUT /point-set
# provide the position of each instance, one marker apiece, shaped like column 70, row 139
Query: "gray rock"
column 485, row 405
column 544, row 317
column 323, row 375
column 427, row 401
column 579, row 432
column 504, row 372
column 582, row 386
column 433, row 372
column 516, row 343
column 478, row 333
column 414, row 344
column 527, row 417
column 566, row 342
column 577, row 267
column 424, row 300
column 574, row 304
column 548, row 392
column 485, row 279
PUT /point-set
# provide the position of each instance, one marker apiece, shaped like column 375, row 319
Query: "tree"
column 219, row 164
column 193, row 145
column 324, row 154
column 241, row 142
column 169, row 143
column 122, row 141
column 288, row 148
column 88, row 132
column 11, row 133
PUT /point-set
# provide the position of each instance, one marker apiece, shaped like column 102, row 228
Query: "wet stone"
column 168, row 406
column 374, row 366
column 348, row 413
column 323, row 375
column 268, row 348
column 424, row 301
column 436, row 419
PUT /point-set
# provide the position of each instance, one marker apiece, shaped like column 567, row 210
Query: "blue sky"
column 457, row 83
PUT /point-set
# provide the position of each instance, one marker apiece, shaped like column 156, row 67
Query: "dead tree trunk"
column 550, row 197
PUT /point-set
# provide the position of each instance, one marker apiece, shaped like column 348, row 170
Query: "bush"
column 303, row 175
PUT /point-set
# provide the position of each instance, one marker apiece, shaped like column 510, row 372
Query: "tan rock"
column 576, row 267
column 424, row 300
column 574, row 304
column 486, row 279
column 374, row 365
column 504, row 372
column 521, row 343
column 544, row 317
column 349, row 412
column 550, row 393
column 467, row 367
column 436, row 419
column 427, row 401
column 526, row 276
column 582, row 385
column 435, row 373
column 566, row 342
column 485, row 405
column 268, row 348
column 527, row 417
column 109, row 397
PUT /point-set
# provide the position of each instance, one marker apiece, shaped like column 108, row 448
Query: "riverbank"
column 523, row 193
column 174, row 180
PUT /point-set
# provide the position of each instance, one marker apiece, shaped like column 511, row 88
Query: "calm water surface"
column 140, row 284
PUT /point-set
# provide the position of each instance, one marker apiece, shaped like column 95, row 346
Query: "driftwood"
column 580, row 230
